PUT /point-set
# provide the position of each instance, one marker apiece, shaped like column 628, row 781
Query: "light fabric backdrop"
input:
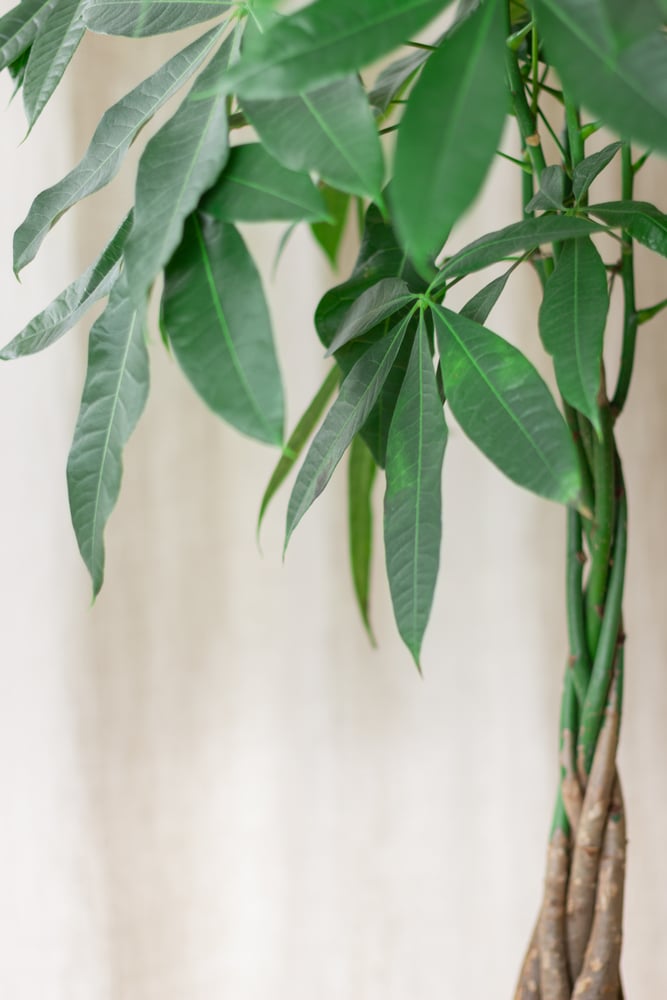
column 211, row 786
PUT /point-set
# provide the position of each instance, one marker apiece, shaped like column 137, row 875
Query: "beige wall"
column 211, row 786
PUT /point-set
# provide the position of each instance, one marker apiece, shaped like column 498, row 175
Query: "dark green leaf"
column 298, row 439
column 504, row 406
column 378, row 302
column 627, row 23
column 50, row 55
column 585, row 172
column 449, row 132
column 520, row 236
column 627, row 88
column 552, row 190
column 114, row 395
column 395, row 78
column 68, row 307
column 113, row 136
column 358, row 394
column 643, row 221
column 572, row 321
column 412, row 503
column 19, row 28
column 137, row 18
column 360, row 479
column 254, row 187
column 330, row 130
column 330, row 234
column 215, row 316
column 181, row 161
column 480, row 305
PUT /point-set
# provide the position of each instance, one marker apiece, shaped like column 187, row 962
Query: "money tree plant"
column 276, row 123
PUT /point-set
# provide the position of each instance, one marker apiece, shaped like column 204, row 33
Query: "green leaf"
column 518, row 237
column 114, row 395
column 19, row 28
column 181, row 161
column 254, row 187
column 68, row 307
column 215, row 316
column 324, row 41
column 360, row 479
column 627, row 88
column 505, row 408
column 378, row 302
column 412, row 503
column 138, row 18
column 585, row 172
column 553, row 188
column 330, row 130
column 480, row 305
column 50, row 55
column 118, row 128
column 394, row 80
column 298, row 439
column 627, row 24
column 641, row 220
column 449, row 132
column 358, row 394
column 329, row 234
column 572, row 321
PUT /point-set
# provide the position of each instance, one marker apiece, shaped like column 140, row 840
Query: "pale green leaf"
column 330, row 234
column 394, row 80
column 137, row 18
column 552, row 190
column 19, row 28
column 588, row 169
column 50, row 55
column 641, row 220
column 114, row 396
column 360, row 479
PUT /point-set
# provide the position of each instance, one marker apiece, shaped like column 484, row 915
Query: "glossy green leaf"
column 394, row 80
column 330, row 130
column 330, row 234
column 298, row 439
column 113, row 136
column 215, row 316
column 449, row 132
column 412, row 503
column 518, row 237
column 643, row 221
column 479, row 307
column 50, row 55
column 552, row 190
column 254, row 187
column 114, row 396
column 324, row 41
column 360, row 479
column 378, row 302
column 627, row 88
column 72, row 303
column 138, row 18
column 585, row 172
column 505, row 408
column 182, row 160
column 572, row 322
column 358, row 394
column 19, row 28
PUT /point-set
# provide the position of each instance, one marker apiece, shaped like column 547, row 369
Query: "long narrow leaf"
column 138, row 18
column 361, row 474
column 643, row 221
column 19, row 28
column 50, row 55
column 378, row 302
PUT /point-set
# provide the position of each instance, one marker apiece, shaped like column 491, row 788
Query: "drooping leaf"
column 643, row 221
column 138, row 18
column 572, row 321
column 626, row 88
column 518, row 237
column 114, row 395
column 324, row 41
column 180, row 163
column 395, row 78
column 50, row 55
column 412, row 503
column 298, row 439
column 19, row 28
column 585, row 172
column 360, row 479
column 505, row 408
column 378, row 302
column 113, row 136
column 215, row 316
column 330, row 130
column 254, row 187
column 358, row 394
column 449, row 132
column 552, row 190
column 480, row 305
column 330, row 234
column 75, row 300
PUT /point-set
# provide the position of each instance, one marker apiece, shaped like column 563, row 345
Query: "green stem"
column 579, row 662
column 604, row 458
column 574, row 137
column 629, row 306
column 522, row 112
